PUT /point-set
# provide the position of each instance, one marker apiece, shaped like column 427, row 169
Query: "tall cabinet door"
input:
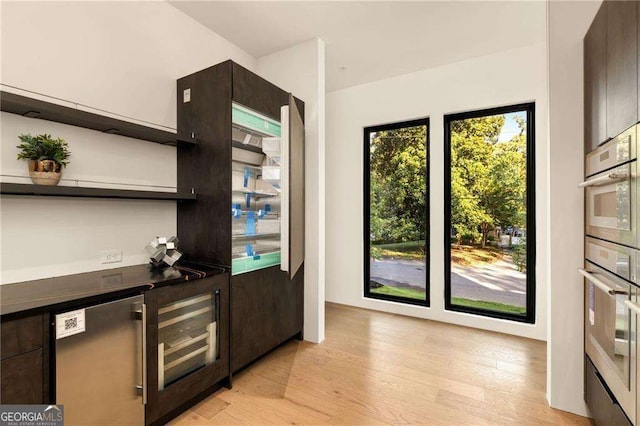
column 622, row 66
column 292, row 236
column 595, row 82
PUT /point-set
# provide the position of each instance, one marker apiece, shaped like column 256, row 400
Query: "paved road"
column 496, row 282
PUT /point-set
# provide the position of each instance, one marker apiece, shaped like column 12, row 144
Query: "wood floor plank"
column 384, row 369
column 189, row 418
column 210, row 407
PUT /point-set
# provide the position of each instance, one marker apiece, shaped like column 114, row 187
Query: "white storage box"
column 271, row 147
column 271, row 174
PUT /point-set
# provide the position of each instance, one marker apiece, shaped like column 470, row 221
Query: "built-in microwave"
column 610, row 333
column 619, row 260
column 611, row 197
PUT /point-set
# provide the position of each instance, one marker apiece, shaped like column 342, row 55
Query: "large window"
column 396, row 221
column 489, row 212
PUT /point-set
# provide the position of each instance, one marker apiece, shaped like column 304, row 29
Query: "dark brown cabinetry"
column 622, row 66
column 22, row 379
column 24, row 367
column 595, row 82
column 611, row 72
column 263, row 321
column 266, row 303
column 187, row 344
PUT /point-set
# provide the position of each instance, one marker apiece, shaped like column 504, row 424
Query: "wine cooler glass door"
column 187, row 336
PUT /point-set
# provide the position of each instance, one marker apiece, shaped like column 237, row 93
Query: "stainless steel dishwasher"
column 100, row 366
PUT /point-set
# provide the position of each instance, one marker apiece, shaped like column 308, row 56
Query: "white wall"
column 300, row 70
column 567, row 23
column 122, row 57
column 505, row 78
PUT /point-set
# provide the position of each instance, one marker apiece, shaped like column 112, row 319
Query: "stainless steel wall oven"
column 610, row 332
column 611, row 266
column 611, row 190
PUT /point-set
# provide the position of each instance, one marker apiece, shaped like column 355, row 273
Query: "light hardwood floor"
column 378, row 368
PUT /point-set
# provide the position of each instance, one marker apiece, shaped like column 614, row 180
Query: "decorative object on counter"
column 47, row 156
column 163, row 250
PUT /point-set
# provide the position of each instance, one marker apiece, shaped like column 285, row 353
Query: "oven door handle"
column 602, row 180
column 634, row 307
column 589, row 275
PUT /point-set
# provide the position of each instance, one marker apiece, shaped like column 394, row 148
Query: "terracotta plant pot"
column 45, row 172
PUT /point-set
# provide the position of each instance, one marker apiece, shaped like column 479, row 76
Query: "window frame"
column 530, row 316
column 367, row 210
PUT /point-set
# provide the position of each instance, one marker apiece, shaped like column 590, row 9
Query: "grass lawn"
column 472, row 255
column 489, row 306
column 411, row 293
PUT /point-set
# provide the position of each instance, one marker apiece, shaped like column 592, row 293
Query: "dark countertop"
column 30, row 297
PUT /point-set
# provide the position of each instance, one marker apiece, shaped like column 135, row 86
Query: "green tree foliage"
column 398, row 160
column 487, row 181
column 472, row 142
column 488, row 177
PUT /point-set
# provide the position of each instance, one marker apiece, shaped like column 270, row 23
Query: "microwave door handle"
column 611, row 177
column 601, row 285
column 633, row 307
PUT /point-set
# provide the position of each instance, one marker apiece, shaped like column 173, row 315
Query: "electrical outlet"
column 111, row 256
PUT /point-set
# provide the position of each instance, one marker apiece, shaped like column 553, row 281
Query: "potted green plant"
column 47, row 156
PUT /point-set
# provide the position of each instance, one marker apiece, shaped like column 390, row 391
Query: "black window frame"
column 367, row 210
column 530, row 316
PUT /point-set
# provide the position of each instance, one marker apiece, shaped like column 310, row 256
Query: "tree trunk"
column 485, row 232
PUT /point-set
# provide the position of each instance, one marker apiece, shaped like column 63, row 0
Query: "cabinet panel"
column 266, row 310
column 595, row 82
column 257, row 93
column 21, row 335
column 622, row 66
column 22, row 379
column 203, row 226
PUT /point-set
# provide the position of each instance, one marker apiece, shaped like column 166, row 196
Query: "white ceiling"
column 375, row 40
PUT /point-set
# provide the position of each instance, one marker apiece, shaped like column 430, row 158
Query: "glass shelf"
column 255, row 236
column 253, row 263
column 255, row 193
